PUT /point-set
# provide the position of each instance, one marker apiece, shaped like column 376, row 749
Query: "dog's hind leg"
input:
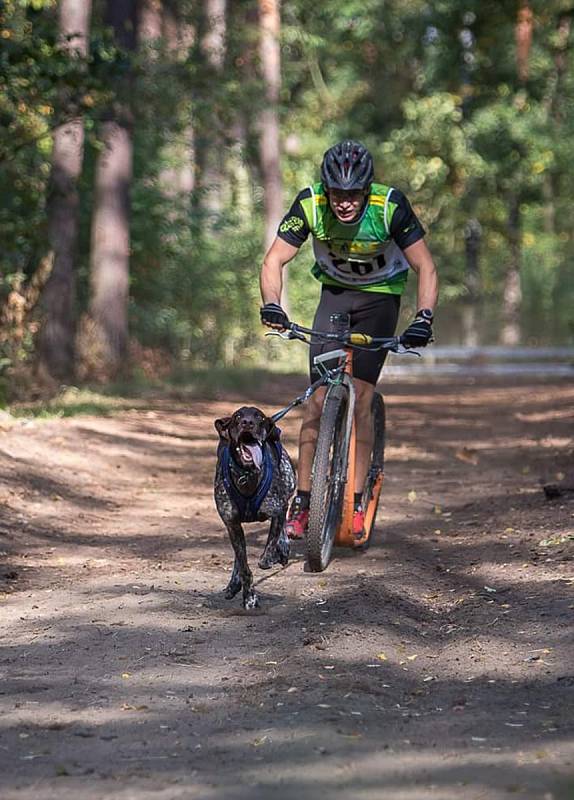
column 277, row 547
column 250, row 599
column 283, row 546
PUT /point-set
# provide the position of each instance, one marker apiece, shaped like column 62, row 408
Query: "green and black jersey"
column 366, row 254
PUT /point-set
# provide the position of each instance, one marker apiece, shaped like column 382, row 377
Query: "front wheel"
column 328, row 486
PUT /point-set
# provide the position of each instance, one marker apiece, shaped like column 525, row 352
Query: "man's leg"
column 364, row 431
column 332, row 301
column 308, row 439
column 310, row 430
column 298, row 516
column 374, row 314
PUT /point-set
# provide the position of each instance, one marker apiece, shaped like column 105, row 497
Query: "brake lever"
column 287, row 335
column 402, row 350
column 281, row 334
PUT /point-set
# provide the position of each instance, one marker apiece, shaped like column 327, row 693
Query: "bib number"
column 363, row 268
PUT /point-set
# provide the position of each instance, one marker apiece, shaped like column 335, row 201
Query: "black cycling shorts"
column 374, row 313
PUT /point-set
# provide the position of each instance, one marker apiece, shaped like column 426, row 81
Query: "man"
column 365, row 236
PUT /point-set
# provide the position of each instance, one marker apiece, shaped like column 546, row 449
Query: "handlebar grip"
column 360, row 338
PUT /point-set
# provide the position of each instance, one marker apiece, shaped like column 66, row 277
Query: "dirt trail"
column 437, row 665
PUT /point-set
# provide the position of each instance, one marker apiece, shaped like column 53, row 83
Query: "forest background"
column 148, row 149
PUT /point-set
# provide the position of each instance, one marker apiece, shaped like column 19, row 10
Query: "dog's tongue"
column 256, row 454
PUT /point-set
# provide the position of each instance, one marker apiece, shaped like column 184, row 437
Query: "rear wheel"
column 328, row 486
column 373, row 482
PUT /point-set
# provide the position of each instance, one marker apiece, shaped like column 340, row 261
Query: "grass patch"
column 213, row 383
column 72, row 402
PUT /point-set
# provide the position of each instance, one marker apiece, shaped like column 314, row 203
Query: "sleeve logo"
column 291, row 224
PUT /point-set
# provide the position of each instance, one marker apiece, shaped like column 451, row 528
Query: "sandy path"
column 437, row 665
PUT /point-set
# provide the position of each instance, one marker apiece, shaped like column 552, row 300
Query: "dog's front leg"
column 277, row 547
column 250, row 599
column 234, row 584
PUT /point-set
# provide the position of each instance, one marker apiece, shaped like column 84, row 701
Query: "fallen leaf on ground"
column 260, row 741
column 552, row 541
column 382, row 657
column 412, row 496
column 467, row 455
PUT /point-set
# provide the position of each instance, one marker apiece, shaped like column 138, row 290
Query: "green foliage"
column 432, row 89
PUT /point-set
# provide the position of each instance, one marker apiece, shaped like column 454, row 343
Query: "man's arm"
column 271, row 281
column 293, row 230
column 419, row 257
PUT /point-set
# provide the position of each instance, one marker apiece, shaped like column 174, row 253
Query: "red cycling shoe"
column 358, row 523
column 297, row 520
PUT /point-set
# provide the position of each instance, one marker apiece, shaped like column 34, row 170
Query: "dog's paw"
column 232, row 588
column 266, row 561
column 282, row 551
column 250, row 601
column 279, row 555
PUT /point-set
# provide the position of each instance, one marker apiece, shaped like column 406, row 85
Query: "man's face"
column 346, row 206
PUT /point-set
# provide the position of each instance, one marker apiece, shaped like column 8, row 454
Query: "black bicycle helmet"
column 347, row 165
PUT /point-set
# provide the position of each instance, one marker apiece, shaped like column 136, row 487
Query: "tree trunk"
column 270, row 149
column 111, row 245
column 523, row 34
column 512, row 296
column 473, row 236
column 554, row 104
column 56, row 348
column 213, row 42
column 107, row 337
column 179, row 181
column 210, row 145
column 150, row 24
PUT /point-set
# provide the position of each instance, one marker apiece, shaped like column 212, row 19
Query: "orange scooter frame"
column 345, row 536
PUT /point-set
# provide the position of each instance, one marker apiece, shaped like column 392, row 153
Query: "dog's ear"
column 273, row 432
column 222, row 427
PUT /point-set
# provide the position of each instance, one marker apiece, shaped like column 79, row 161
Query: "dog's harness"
column 249, row 505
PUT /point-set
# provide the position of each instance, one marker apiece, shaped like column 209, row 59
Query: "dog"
column 254, row 480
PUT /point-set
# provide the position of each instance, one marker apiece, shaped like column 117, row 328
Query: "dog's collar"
column 249, row 505
column 246, row 479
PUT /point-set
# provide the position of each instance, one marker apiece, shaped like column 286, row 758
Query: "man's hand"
column 273, row 316
column 419, row 332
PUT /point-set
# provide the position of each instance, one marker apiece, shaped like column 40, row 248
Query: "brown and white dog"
column 254, row 480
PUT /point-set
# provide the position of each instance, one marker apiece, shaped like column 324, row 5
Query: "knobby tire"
column 328, row 486
column 377, row 463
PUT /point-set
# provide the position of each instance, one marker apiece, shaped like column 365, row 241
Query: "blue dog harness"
column 249, row 505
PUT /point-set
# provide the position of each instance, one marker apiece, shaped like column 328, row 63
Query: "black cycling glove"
column 419, row 332
column 273, row 314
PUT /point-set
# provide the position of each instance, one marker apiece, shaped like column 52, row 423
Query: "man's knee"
column 315, row 404
column 363, row 397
